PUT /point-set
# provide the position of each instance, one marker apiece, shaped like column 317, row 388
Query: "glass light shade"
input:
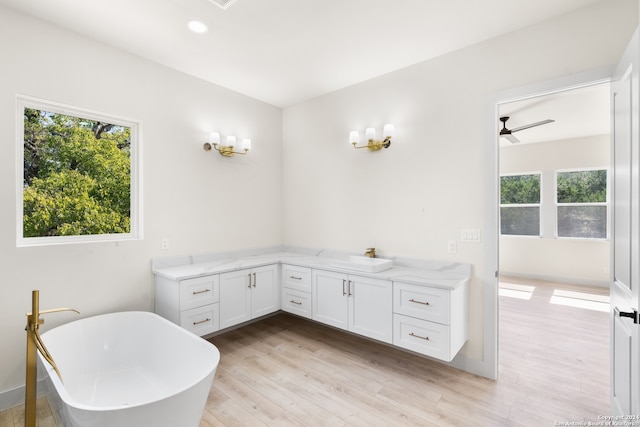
column 354, row 136
column 246, row 144
column 214, row 138
column 388, row 130
column 231, row 141
column 370, row 133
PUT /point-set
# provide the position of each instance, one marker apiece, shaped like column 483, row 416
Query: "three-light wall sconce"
column 228, row 148
column 373, row 144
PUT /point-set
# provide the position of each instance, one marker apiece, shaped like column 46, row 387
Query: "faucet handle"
column 53, row 310
column 57, row 310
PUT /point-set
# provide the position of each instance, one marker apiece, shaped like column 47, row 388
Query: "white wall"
column 571, row 260
column 201, row 201
column 410, row 199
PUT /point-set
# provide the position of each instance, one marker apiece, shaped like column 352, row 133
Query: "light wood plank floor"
column 287, row 371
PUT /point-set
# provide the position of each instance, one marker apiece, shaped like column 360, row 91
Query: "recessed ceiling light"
column 197, row 27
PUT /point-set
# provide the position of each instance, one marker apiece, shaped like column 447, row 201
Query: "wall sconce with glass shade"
column 228, row 148
column 373, row 144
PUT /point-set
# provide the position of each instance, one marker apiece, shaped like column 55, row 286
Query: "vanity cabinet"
column 430, row 320
column 355, row 303
column 191, row 303
column 248, row 294
column 427, row 314
column 296, row 290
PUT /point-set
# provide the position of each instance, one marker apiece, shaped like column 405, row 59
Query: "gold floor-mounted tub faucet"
column 34, row 344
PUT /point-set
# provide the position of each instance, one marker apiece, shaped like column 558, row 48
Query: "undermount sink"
column 363, row 263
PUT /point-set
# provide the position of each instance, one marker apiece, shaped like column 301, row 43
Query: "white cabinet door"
column 235, row 297
column 371, row 307
column 354, row 303
column 265, row 290
column 329, row 296
column 247, row 294
column 625, row 339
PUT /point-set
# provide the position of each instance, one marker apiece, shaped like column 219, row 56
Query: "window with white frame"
column 581, row 199
column 78, row 175
column 520, row 204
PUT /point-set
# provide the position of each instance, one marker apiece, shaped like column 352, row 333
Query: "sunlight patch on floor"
column 512, row 290
column 581, row 300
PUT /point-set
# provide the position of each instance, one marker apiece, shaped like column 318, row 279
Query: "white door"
column 625, row 376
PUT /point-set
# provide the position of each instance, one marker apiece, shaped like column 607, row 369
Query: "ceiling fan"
column 508, row 133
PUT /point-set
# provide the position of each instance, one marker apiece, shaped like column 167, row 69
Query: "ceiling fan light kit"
column 508, row 133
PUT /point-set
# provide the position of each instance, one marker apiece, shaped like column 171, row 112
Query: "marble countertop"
column 441, row 274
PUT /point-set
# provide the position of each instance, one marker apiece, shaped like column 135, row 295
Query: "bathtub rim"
column 69, row 400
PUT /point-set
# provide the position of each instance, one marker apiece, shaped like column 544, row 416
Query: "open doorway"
column 554, row 246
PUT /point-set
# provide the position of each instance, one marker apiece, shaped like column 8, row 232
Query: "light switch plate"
column 470, row 235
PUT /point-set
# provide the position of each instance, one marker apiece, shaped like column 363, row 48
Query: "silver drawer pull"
column 295, row 302
column 418, row 336
column 419, row 302
column 201, row 292
column 295, row 278
column 202, row 321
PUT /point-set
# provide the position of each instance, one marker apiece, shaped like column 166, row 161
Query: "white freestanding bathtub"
column 129, row 369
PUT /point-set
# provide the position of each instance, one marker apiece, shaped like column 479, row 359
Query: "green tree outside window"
column 77, row 176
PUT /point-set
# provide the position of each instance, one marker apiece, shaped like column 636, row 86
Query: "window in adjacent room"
column 520, row 204
column 582, row 204
column 78, row 175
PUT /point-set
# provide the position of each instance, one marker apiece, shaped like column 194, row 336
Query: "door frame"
column 491, row 211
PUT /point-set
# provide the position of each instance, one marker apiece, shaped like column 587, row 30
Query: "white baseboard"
column 15, row 397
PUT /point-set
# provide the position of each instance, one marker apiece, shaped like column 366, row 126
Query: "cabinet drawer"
column 202, row 320
column 199, row 291
column 296, row 302
column 421, row 336
column 421, row 302
column 294, row 277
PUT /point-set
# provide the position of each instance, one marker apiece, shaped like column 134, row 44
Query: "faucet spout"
column 370, row 252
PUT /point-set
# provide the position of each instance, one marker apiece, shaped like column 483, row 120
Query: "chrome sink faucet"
column 370, row 252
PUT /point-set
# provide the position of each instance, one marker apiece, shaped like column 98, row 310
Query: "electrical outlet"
column 164, row 243
column 452, row 246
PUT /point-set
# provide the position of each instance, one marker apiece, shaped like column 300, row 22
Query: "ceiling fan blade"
column 543, row 122
column 512, row 139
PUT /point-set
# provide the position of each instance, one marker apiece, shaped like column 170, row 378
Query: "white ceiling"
column 286, row 51
column 577, row 113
